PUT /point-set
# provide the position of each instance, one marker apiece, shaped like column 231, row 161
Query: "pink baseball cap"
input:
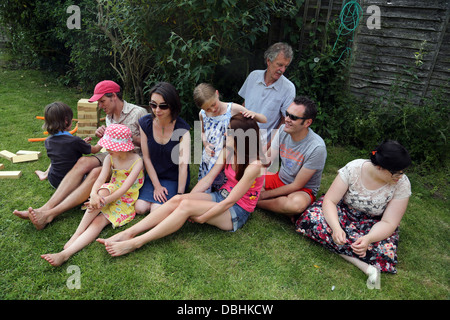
column 105, row 86
column 117, row 137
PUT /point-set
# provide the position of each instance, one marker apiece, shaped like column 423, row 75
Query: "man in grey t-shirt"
column 303, row 154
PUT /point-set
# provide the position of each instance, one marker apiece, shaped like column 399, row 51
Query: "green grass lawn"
column 264, row 260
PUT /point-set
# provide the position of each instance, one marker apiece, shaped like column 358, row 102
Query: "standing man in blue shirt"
column 268, row 91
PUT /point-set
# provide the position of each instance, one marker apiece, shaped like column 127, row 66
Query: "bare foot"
column 41, row 174
column 71, row 240
column 37, row 218
column 121, row 236
column 116, row 249
column 21, row 214
column 55, row 259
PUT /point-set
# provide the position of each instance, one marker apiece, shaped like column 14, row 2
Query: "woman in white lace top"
column 359, row 216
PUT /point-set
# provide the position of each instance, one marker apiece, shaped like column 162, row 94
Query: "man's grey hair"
column 276, row 48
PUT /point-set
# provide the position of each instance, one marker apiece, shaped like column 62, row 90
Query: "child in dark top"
column 63, row 148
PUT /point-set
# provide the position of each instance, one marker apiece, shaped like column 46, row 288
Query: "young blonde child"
column 111, row 202
column 63, row 149
column 215, row 117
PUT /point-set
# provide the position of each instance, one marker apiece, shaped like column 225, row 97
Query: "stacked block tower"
column 88, row 118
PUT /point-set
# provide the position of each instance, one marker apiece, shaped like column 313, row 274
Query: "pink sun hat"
column 117, row 137
column 103, row 87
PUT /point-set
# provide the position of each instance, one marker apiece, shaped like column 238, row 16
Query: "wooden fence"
column 410, row 50
column 386, row 57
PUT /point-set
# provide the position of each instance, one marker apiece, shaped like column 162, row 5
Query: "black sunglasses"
column 162, row 106
column 293, row 118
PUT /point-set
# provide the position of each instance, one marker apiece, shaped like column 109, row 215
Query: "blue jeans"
column 238, row 215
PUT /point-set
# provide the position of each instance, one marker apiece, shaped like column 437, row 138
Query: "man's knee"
column 297, row 203
column 92, row 175
column 85, row 165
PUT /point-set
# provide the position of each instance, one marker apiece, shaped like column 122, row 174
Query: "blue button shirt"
column 272, row 101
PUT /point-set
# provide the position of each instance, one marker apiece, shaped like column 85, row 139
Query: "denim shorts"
column 238, row 215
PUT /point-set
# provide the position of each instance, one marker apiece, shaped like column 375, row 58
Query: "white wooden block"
column 25, row 158
column 85, row 102
column 7, row 155
column 10, row 174
column 22, row 152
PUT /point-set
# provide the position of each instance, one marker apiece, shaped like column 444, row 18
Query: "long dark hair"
column 391, row 155
column 247, row 143
column 170, row 95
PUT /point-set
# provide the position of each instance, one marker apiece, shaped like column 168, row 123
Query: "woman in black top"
column 165, row 143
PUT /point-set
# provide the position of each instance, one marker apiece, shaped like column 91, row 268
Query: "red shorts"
column 273, row 181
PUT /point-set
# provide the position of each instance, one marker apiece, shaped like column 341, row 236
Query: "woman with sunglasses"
column 227, row 209
column 165, row 143
column 359, row 216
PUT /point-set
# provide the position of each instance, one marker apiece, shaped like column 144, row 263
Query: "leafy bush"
column 320, row 74
column 204, row 38
column 423, row 128
column 40, row 38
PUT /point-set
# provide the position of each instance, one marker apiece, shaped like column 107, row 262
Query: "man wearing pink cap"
column 109, row 97
column 76, row 186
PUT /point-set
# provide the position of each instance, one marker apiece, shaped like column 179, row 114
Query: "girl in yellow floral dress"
column 111, row 202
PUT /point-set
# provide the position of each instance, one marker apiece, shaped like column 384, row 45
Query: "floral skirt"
column 381, row 254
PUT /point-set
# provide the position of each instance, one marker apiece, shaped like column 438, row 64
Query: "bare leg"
column 155, row 217
column 40, row 218
column 88, row 236
column 292, row 204
column 154, row 206
column 372, row 272
column 171, row 224
column 142, row 206
column 88, row 217
column 355, row 261
column 71, row 181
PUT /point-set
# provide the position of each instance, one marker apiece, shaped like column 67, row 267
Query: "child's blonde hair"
column 202, row 93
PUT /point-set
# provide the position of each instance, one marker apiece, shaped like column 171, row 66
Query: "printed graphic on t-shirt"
column 291, row 156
